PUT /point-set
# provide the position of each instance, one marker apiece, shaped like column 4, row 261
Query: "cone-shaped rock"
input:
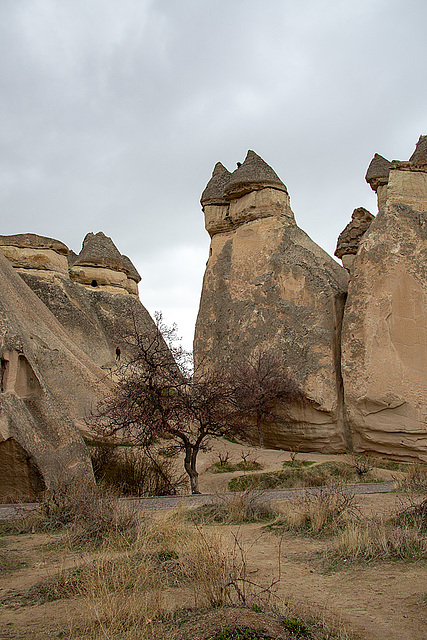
column 252, row 175
column 100, row 264
column 419, row 157
column 100, row 251
column 214, row 191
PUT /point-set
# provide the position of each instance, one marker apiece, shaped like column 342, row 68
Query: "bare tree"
column 263, row 381
column 157, row 397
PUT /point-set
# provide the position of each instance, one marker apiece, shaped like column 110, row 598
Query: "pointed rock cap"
column 33, row 241
column 72, row 257
column 378, row 171
column 419, row 157
column 214, row 191
column 254, row 174
column 131, row 270
column 100, row 251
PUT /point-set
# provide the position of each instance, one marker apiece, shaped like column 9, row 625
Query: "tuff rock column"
column 267, row 284
column 384, row 338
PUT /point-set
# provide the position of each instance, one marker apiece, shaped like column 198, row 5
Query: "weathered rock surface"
column 30, row 252
column 268, row 284
column 47, row 385
column 384, row 339
column 95, row 319
column 349, row 239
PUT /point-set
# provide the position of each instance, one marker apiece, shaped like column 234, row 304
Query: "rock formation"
column 384, row 338
column 349, row 239
column 46, row 381
column 99, row 264
column 57, row 347
column 268, row 284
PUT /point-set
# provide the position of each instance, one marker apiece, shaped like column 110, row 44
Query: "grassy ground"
column 81, row 570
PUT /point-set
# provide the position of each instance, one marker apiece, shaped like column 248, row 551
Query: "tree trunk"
column 190, row 467
column 260, row 436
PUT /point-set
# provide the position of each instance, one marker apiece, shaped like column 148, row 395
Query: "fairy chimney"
column 267, row 284
column 384, row 336
column 101, row 266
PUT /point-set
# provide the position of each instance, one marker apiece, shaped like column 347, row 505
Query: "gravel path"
column 15, row 511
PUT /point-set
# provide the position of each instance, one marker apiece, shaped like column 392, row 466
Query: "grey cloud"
column 114, row 114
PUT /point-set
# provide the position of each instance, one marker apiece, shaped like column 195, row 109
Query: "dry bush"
column 325, row 510
column 362, row 465
column 85, row 512
column 134, row 472
column 248, row 506
column 415, row 480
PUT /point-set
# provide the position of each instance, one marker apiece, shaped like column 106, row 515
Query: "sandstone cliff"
column 268, row 284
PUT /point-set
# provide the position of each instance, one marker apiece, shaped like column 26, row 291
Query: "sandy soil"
column 382, row 601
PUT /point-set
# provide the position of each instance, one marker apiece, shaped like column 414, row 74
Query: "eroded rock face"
column 268, row 284
column 384, row 341
column 94, row 318
column 47, row 385
column 29, row 252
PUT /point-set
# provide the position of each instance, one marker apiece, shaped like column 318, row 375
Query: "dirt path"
column 381, row 602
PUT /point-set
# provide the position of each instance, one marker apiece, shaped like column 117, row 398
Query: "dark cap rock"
column 419, row 157
column 378, row 171
column 214, row 191
column 130, row 269
column 100, row 251
column 254, row 174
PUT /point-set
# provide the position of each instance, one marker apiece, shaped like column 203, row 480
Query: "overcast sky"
column 114, row 113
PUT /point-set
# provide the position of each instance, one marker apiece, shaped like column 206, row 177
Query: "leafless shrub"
column 315, row 511
column 361, row 464
column 416, row 480
column 86, row 513
column 132, row 471
column 293, row 454
column 223, row 458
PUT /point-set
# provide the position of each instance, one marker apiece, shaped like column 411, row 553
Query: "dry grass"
column 374, row 541
column 86, row 514
column 127, row 596
column 237, row 508
column 399, row 537
column 323, row 511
